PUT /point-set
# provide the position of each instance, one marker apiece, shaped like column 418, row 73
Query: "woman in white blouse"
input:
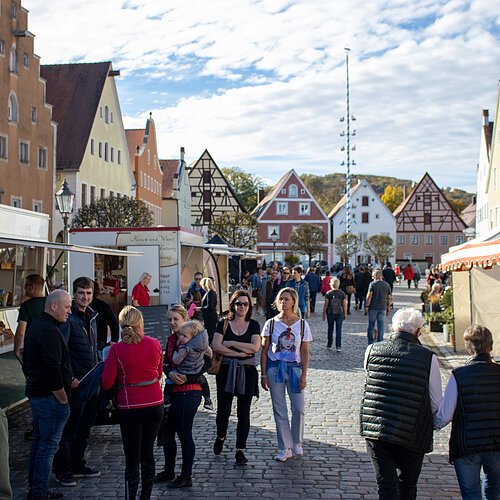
column 284, row 363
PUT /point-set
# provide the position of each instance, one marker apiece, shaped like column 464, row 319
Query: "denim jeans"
column 49, row 418
column 468, row 470
column 379, row 317
column 287, row 436
column 183, row 410
column 334, row 321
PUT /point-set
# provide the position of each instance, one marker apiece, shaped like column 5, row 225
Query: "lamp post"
column 274, row 236
column 64, row 203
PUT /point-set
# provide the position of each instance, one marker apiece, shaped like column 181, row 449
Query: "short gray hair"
column 377, row 274
column 145, row 275
column 56, row 296
column 407, row 320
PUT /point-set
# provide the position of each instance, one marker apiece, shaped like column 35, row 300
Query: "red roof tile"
column 169, row 168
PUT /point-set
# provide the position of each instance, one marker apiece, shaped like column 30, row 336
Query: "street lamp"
column 274, row 236
column 64, row 203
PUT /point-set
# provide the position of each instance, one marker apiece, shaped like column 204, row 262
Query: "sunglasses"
column 241, row 304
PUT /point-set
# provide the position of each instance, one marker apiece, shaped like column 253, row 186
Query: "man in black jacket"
column 48, row 384
column 402, row 393
column 80, row 333
column 105, row 321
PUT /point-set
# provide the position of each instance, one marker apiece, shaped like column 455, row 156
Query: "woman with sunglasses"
column 284, row 361
column 237, row 339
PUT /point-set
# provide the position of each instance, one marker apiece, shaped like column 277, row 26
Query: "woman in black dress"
column 347, row 285
column 208, row 307
column 237, row 339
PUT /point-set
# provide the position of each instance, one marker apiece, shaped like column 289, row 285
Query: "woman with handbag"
column 236, row 341
column 179, row 418
column 284, row 361
column 135, row 365
column 347, row 285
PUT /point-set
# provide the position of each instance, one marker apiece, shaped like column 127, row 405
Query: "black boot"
column 131, row 486
column 148, row 478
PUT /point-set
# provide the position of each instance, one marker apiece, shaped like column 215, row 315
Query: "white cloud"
column 421, row 71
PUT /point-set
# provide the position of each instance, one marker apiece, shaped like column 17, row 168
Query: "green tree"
column 291, row 260
column 114, row 211
column 237, row 229
column 380, row 246
column 393, row 197
column 346, row 245
column 307, row 239
column 246, row 186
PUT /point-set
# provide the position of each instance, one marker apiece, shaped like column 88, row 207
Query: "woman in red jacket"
column 135, row 365
column 408, row 274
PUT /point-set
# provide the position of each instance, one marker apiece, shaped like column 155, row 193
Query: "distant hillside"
column 328, row 189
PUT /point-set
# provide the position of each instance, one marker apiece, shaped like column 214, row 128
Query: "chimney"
column 182, row 153
column 261, row 195
column 486, row 117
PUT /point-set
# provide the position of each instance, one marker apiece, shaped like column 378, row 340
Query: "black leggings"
column 225, row 402
column 139, row 428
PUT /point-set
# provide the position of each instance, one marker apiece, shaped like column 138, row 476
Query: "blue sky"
column 261, row 83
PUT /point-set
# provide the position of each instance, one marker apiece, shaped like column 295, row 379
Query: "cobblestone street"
column 335, row 464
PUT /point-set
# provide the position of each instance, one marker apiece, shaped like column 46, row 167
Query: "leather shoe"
column 164, row 476
column 218, row 445
column 240, row 458
column 181, row 482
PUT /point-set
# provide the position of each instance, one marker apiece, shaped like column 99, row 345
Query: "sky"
column 261, row 84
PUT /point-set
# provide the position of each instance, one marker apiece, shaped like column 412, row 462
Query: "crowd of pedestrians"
column 76, row 359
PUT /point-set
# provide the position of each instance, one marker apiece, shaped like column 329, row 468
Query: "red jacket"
column 325, row 284
column 408, row 273
column 128, row 364
column 169, row 352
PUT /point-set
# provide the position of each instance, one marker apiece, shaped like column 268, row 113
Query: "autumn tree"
column 246, row 186
column 346, row 245
column 393, row 197
column 236, row 228
column 114, row 211
column 380, row 246
column 307, row 239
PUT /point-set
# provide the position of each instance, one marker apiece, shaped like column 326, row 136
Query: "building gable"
column 211, row 193
column 426, row 209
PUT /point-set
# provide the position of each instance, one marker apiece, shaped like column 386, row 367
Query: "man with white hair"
column 402, row 393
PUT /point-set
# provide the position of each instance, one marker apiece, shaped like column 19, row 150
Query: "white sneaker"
column 297, row 450
column 284, row 455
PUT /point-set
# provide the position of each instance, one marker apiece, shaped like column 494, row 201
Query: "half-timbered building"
column 211, row 193
column 426, row 224
column 288, row 205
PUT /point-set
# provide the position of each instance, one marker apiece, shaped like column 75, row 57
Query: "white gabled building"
column 369, row 216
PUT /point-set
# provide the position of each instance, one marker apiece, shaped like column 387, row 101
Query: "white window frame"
column 43, row 154
column 23, row 142
column 401, row 239
column 16, row 201
column 293, row 191
column 307, row 206
column 13, row 108
column 459, row 239
column 26, row 60
column 34, row 114
column 13, row 67
column 4, row 149
column 429, row 239
column 281, row 208
column 39, row 204
column 414, row 240
column 270, row 229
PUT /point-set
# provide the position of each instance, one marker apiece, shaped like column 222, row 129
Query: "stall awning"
column 218, row 249
column 68, row 247
column 483, row 254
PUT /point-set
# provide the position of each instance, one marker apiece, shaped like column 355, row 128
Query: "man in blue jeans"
column 378, row 303
column 49, row 378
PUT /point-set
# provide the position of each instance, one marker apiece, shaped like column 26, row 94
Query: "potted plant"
column 443, row 319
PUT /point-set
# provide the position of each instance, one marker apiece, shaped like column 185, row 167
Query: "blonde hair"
column 180, row 310
column 208, row 283
column 335, row 283
column 193, row 327
column 132, row 323
column 293, row 293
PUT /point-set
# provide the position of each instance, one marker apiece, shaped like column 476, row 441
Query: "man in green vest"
column 402, row 393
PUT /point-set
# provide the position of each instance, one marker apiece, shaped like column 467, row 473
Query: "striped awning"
column 464, row 257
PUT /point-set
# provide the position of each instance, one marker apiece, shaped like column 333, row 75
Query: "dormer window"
column 293, row 191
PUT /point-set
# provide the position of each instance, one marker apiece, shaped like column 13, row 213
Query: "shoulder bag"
column 216, row 357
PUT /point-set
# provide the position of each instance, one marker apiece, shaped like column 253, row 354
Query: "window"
column 24, row 152
column 363, row 236
column 112, row 155
column 13, row 108
column 444, row 239
column 302, row 191
column 305, row 208
column 4, row 154
column 459, row 239
column 92, row 147
column 407, row 256
column 16, row 201
column 26, row 60
column 111, row 117
column 106, row 152
column 206, row 176
column 401, row 239
column 2, row 47
column 37, row 206
column 13, row 60
column 84, row 194
column 119, row 157
column 100, row 111
column 270, row 230
column 149, row 184
column 283, row 191
column 429, row 239
column 282, row 208
column 106, row 114
column 111, row 194
column 293, row 191
column 149, row 157
column 414, row 239
column 377, row 216
column 364, row 201
column 427, row 218
column 42, row 157
column 365, row 217
column 34, row 114
column 100, row 150
column 92, row 195
column 103, row 193
column 13, row 10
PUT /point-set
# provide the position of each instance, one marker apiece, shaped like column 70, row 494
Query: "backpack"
column 334, row 304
